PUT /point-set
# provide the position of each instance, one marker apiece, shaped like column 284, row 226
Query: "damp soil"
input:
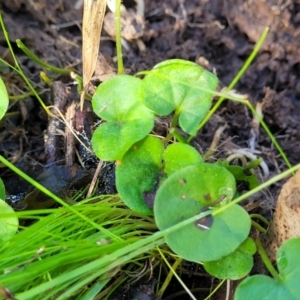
column 218, row 35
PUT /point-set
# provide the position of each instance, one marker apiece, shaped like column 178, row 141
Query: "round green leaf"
column 178, row 156
column 241, row 175
column 235, row 265
column 3, row 99
column 186, row 193
column 287, row 287
column 248, row 246
column 261, row 287
column 111, row 140
column 2, row 190
column 9, row 225
column 117, row 97
column 176, row 85
column 222, row 238
column 118, row 101
column 137, row 174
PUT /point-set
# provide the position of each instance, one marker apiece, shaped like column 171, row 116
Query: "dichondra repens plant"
column 165, row 176
column 161, row 176
column 169, row 180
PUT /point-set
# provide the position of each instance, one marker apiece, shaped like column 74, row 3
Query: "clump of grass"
column 60, row 254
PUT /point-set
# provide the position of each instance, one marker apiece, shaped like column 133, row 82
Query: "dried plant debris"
column 285, row 221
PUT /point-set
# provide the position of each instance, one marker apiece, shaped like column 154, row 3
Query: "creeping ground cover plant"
column 167, row 177
column 88, row 249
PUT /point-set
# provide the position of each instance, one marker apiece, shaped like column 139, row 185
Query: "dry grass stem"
column 93, row 16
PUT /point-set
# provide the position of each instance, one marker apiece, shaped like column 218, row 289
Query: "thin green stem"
column 18, row 69
column 168, row 279
column 273, row 140
column 179, row 137
column 258, row 227
column 7, row 64
column 235, row 79
column 265, row 127
column 260, row 217
column 174, row 121
column 45, row 78
column 118, row 37
column 215, row 290
column 173, row 272
column 265, row 259
column 250, row 58
column 20, row 97
column 167, row 139
column 173, row 131
column 253, row 164
column 54, row 197
column 255, row 190
column 34, row 58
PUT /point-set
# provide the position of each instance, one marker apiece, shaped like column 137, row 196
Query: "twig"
column 70, row 138
column 96, row 175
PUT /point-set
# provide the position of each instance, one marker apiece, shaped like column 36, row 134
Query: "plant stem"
column 118, row 37
column 172, row 271
column 236, row 79
column 168, row 137
column 267, row 130
column 173, row 131
column 257, row 226
column 179, row 137
column 215, row 290
column 253, row 164
column 260, row 217
column 45, row 78
column 174, row 121
column 266, row 259
column 34, row 58
column 18, row 69
column 255, row 190
column 20, row 97
column 56, row 198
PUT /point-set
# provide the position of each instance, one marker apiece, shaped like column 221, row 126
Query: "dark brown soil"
column 219, row 35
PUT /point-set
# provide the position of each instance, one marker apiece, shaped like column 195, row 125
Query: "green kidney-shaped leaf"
column 118, row 101
column 116, row 97
column 222, row 238
column 111, row 140
column 3, row 99
column 137, row 174
column 286, row 287
column 178, row 156
column 242, row 176
column 176, row 85
column 186, row 193
column 234, row 266
column 2, row 190
column 9, row 225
